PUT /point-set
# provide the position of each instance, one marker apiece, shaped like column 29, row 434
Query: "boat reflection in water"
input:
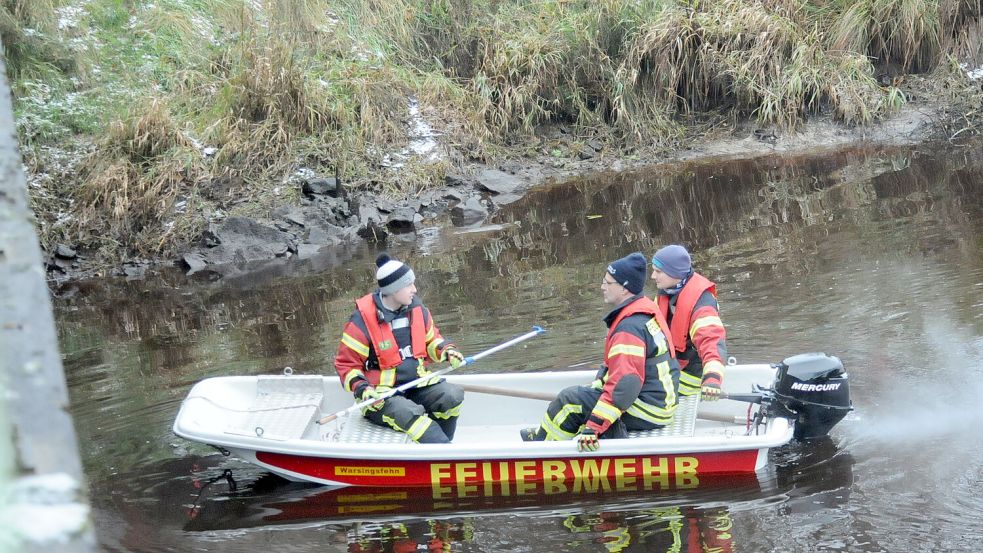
column 687, row 514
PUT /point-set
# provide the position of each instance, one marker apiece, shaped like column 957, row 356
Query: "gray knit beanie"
column 392, row 275
column 673, row 260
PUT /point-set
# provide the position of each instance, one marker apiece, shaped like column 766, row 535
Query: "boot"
column 449, row 426
column 434, row 435
column 532, row 434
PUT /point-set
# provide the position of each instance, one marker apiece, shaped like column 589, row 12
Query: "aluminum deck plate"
column 283, row 409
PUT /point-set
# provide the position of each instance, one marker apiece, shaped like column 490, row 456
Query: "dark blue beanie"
column 629, row 271
column 673, row 260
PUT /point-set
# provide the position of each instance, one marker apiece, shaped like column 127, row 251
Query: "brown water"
column 875, row 256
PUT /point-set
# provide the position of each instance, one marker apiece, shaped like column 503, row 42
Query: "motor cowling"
column 815, row 390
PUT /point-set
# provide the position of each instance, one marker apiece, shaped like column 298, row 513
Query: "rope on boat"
column 222, row 450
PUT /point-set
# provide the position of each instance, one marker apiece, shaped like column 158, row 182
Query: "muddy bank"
column 330, row 220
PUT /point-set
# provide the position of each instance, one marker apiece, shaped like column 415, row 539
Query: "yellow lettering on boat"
column 686, row 477
column 523, row 471
column 503, row 477
column 588, row 476
column 369, row 471
column 687, row 481
column 625, row 484
column 655, row 475
column 686, row 465
column 462, row 472
column 365, row 509
column 486, row 475
column 624, row 471
column 550, row 476
column 438, row 472
column 553, row 479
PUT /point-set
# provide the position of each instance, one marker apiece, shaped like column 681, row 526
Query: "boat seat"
column 683, row 423
column 357, row 429
column 284, row 408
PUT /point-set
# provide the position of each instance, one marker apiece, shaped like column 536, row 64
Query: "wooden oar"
column 546, row 396
column 536, row 331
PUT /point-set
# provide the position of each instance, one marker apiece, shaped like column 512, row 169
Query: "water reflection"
column 875, row 256
column 215, row 498
column 747, row 213
column 745, row 221
column 268, row 501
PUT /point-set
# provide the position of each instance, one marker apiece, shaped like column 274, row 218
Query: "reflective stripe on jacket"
column 637, row 363
column 371, row 353
column 688, row 296
column 698, row 334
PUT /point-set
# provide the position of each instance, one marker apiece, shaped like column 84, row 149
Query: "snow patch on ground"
column 422, row 140
column 45, row 510
column 69, row 16
column 974, row 74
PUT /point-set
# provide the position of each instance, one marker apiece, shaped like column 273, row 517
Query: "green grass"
column 139, row 89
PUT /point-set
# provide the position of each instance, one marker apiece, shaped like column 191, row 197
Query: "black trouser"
column 428, row 415
column 568, row 413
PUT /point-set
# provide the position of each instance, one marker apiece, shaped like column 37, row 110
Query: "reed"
column 31, row 45
column 132, row 180
column 325, row 84
column 906, row 33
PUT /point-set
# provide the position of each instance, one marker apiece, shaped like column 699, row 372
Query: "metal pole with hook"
column 536, row 331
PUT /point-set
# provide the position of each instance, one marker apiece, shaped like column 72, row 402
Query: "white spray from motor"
column 944, row 403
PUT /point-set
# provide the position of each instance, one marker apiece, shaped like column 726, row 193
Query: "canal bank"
column 42, row 488
column 330, row 223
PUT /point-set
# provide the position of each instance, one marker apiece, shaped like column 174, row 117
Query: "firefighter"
column 688, row 301
column 390, row 340
column 614, row 532
column 636, row 387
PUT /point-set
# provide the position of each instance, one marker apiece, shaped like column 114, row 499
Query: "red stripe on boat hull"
column 519, row 476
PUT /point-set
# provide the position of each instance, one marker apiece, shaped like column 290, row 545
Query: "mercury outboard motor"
column 814, row 391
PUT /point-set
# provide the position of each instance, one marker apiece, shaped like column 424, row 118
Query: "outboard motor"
column 814, row 390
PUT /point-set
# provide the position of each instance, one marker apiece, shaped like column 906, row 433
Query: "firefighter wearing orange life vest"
column 635, row 388
column 390, row 340
column 688, row 301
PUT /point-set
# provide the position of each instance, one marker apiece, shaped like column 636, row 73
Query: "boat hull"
column 272, row 421
column 473, row 477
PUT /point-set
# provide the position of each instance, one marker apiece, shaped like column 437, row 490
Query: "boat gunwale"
column 778, row 432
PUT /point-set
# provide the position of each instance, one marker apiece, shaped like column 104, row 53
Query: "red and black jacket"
column 697, row 331
column 638, row 364
column 383, row 348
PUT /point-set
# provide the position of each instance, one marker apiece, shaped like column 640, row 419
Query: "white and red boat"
column 274, row 422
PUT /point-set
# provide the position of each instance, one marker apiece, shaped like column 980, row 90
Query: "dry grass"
column 30, row 42
column 36, row 14
column 905, row 33
column 963, row 38
column 762, row 60
column 412, row 178
column 132, row 181
column 275, row 84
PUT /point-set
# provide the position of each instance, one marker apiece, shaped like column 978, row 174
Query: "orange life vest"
column 688, row 297
column 381, row 336
column 641, row 305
